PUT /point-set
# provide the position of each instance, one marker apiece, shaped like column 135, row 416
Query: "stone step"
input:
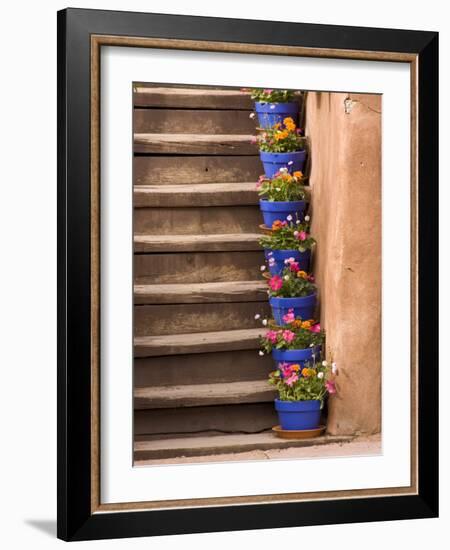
column 199, row 342
column 183, row 293
column 193, row 121
column 200, row 144
column 190, row 98
column 170, row 170
column 148, row 449
column 197, row 267
column 190, row 195
column 167, row 397
column 197, row 220
column 158, row 319
column 243, row 418
column 201, row 368
column 197, row 243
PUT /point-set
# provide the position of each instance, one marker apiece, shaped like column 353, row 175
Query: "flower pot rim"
column 277, row 153
column 292, row 297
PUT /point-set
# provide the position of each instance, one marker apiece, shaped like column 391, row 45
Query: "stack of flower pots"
column 295, row 339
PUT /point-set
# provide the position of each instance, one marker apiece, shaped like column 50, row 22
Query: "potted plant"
column 293, row 290
column 295, row 342
column 282, row 196
column 301, row 393
column 281, row 146
column 288, row 242
column 273, row 106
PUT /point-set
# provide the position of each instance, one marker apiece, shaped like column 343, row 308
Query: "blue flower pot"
column 303, row 307
column 280, row 210
column 274, row 161
column 298, row 415
column 270, row 114
column 296, row 356
column 278, row 256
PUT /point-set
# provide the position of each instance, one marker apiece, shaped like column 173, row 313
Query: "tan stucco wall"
column 344, row 132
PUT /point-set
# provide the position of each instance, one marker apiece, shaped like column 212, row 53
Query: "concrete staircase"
column 200, row 386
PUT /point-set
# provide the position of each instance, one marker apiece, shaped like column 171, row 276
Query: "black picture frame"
column 75, row 518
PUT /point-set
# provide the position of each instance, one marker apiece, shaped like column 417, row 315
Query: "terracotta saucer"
column 298, row 434
column 266, row 275
column 265, row 229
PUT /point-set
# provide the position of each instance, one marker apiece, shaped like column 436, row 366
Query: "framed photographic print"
column 247, row 252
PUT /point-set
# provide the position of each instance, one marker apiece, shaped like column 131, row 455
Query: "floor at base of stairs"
column 323, row 447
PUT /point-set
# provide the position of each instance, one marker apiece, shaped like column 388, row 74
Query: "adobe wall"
column 344, row 132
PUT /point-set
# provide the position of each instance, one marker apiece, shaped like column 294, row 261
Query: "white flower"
column 271, row 262
column 286, row 277
column 284, row 169
column 261, row 353
column 264, row 322
column 257, row 316
column 251, row 115
column 291, row 259
column 295, row 233
column 334, row 368
column 320, row 375
column 324, row 364
column 289, row 218
column 311, row 345
column 263, row 268
column 290, row 162
column 268, row 292
column 286, row 261
column 272, row 106
column 270, row 254
column 298, row 221
column 277, row 188
column 307, row 218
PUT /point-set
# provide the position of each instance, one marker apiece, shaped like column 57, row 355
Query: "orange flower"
column 302, row 274
column 297, row 323
column 306, row 324
column 277, row 225
column 308, row 372
column 295, row 368
column 298, row 174
column 289, row 124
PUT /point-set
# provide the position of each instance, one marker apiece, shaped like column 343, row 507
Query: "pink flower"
column 288, row 335
column 294, row 267
column 254, row 139
column 330, row 386
column 292, row 379
column 289, row 317
column 302, row 236
column 271, row 335
column 268, row 91
column 276, row 282
column 315, row 328
column 311, row 278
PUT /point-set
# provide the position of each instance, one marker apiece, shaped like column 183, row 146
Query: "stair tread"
column 198, row 342
column 156, row 397
column 203, row 194
column 222, row 444
column 200, row 292
column 197, row 242
column 192, row 98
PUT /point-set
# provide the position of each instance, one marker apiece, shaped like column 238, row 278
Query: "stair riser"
column 152, row 320
column 193, row 121
column 186, row 144
column 187, row 221
column 248, row 418
column 199, row 169
column 199, row 267
column 201, row 368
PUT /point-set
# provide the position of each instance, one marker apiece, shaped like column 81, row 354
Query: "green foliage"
column 291, row 284
column 290, row 236
column 282, row 187
column 292, row 336
column 267, row 95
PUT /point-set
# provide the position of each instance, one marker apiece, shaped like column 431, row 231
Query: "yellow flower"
column 295, row 368
column 289, row 124
column 281, row 135
column 306, row 324
column 298, row 174
column 308, row 372
column 302, row 274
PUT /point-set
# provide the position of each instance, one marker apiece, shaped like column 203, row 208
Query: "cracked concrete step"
column 169, row 170
column 201, row 144
column 199, row 342
column 197, row 220
column 197, row 267
column 163, row 318
column 200, row 121
column 212, row 419
column 182, row 293
column 148, row 449
column 166, row 397
column 201, row 368
column 191, row 98
column 203, row 194
column 197, row 243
